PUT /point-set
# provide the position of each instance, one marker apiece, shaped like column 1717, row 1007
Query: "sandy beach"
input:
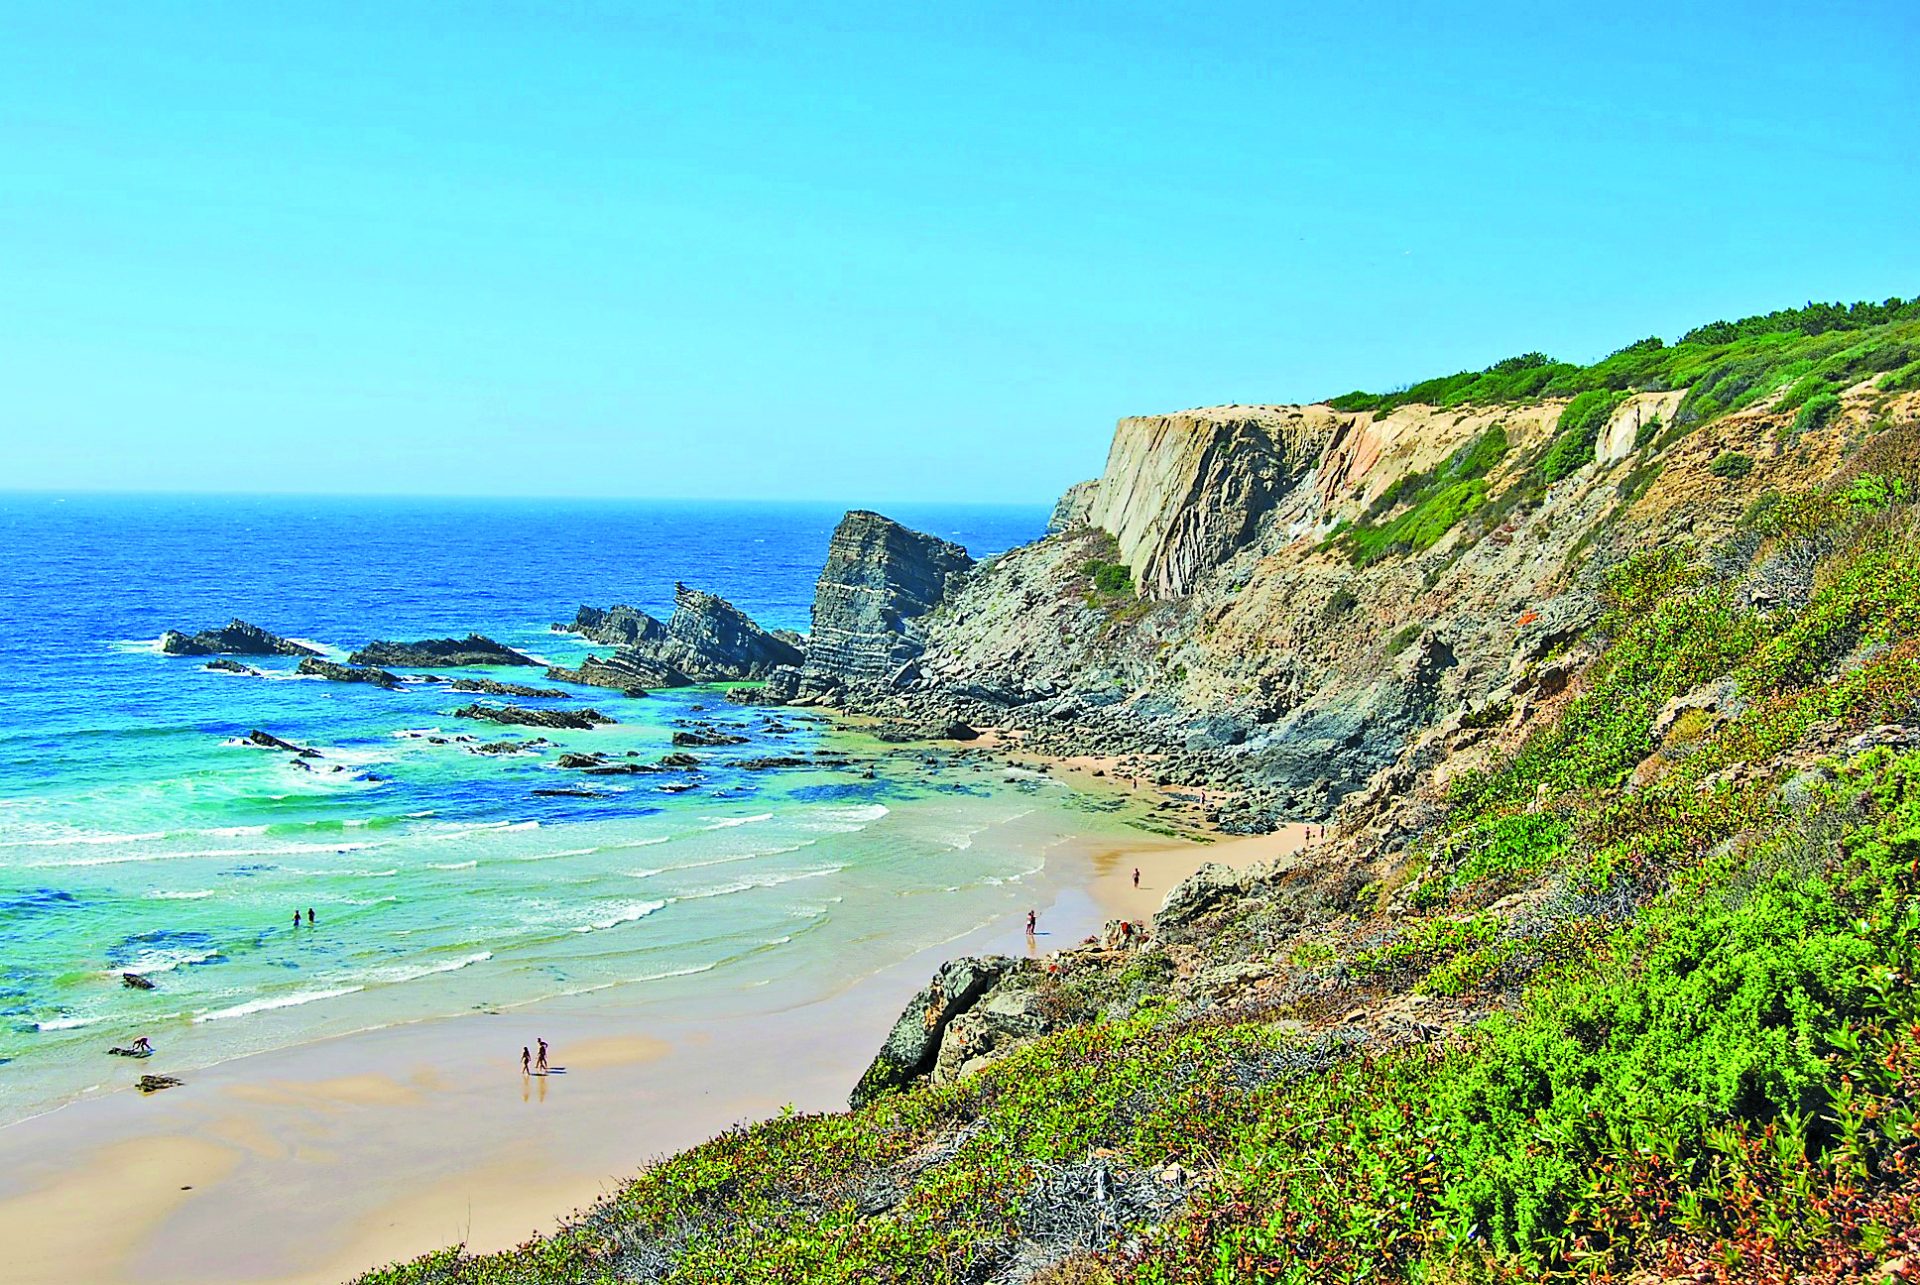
column 316, row 1162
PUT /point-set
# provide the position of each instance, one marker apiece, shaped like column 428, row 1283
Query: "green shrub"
column 1818, row 409
column 1731, row 464
column 1576, row 434
column 1438, row 499
column 1112, row 579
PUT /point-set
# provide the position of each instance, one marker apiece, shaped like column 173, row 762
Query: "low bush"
column 1731, row 464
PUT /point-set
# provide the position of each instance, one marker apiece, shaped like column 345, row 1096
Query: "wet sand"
column 317, row 1162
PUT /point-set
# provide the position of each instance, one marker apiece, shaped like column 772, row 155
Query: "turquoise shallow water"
column 137, row 832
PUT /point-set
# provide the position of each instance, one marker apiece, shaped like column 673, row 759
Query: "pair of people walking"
column 530, row 1065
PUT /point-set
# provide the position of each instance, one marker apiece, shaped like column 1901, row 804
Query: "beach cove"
column 312, row 1163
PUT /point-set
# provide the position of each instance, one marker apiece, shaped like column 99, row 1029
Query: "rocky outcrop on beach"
column 334, row 672
column 913, row 1046
column 237, row 638
column 488, row 687
column 870, row 605
column 462, row 653
column 524, row 716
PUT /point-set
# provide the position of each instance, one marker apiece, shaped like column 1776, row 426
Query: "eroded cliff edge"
column 1279, row 604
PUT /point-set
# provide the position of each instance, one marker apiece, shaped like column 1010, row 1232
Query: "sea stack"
column 880, row 580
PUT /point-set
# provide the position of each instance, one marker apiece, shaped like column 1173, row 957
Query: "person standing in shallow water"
column 296, row 919
column 309, row 916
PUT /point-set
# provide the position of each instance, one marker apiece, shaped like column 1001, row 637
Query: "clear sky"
column 860, row 253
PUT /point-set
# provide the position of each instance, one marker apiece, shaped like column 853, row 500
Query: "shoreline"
column 316, row 1162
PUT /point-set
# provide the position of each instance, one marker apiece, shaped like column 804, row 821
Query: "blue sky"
column 866, row 253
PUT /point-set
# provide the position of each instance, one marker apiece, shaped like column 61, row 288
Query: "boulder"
column 472, row 650
column 912, row 1048
column 230, row 667
column 135, row 982
column 1193, row 896
column 155, row 1083
column 237, row 638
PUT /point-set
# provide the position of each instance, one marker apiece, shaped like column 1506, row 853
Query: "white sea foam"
column 284, row 850
column 551, row 856
column 727, row 823
column 451, row 865
column 84, row 837
column 67, row 1023
column 234, row 831
column 165, row 961
column 200, row 894
column 628, row 914
column 278, row 1001
column 428, row 970
column 762, row 881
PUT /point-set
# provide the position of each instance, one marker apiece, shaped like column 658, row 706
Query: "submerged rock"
column 488, row 687
column 575, row 719
column 237, row 638
column 231, row 667
column 266, row 740
column 335, row 672
column 474, row 649
column 135, row 982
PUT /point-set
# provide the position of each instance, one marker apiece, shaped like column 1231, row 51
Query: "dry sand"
column 314, row 1163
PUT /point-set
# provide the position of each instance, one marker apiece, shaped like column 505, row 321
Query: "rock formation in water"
column 467, row 652
column 268, row 741
column 488, row 687
column 237, row 638
column 615, row 626
column 523, row 716
column 870, row 606
column 224, row 666
column 707, row 640
column 333, row 671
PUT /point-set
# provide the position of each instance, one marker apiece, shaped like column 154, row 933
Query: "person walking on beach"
column 1033, row 917
column 1136, row 876
column 540, row 1063
column 526, row 1059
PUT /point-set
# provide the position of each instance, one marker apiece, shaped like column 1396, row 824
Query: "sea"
column 140, row 832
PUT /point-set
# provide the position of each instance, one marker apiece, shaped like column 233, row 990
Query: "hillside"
column 1605, row 971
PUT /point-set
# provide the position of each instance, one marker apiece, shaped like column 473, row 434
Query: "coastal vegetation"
column 1807, row 354
column 1675, row 924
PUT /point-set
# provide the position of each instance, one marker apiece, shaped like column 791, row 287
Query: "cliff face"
column 1319, row 595
column 879, row 583
column 1181, row 492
